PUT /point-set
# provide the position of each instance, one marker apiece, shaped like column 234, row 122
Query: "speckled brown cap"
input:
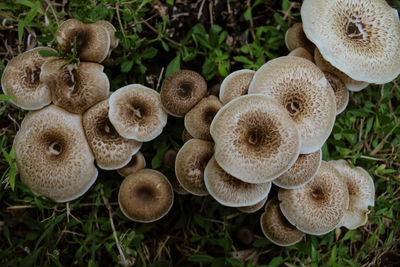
column 235, row 84
column 136, row 163
column 295, row 38
column 340, row 90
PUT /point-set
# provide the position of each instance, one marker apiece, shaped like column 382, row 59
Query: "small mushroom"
column 301, row 52
column 295, row 38
column 340, row 90
column 111, row 31
column 177, row 186
column 253, row 208
column 235, row 84
column 136, row 163
column 145, row 196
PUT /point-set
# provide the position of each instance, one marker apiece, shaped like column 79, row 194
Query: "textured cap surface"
column 235, row 84
column 253, row 208
column 340, row 90
column 295, row 38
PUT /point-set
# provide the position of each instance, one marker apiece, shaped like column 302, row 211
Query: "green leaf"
column 275, row 262
column 12, row 170
column 48, row 53
column 200, row 258
column 247, row 14
column 173, row 66
column 6, row 97
column 126, row 66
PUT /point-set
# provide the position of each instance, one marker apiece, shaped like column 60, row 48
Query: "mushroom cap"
column 301, row 52
column 361, row 38
column 177, row 186
column 145, row 196
column 136, row 163
column 110, row 150
column 325, row 66
column 198, row 119
column 319, row 206
column 21, row 79
column 302, row 89
column 277, row 228
column 181, row 91
column 235, row 84
column 190, row 163
column 340, row 90
column 361, row 193
column 75, row 88
column 186, row 136
column 53, row 156
column 230, row 191
column 253, row 208
column 295, row 37
column 255, row 139
column 302, row 171
column 92, row 40
column 136, row 112
column 111, row 31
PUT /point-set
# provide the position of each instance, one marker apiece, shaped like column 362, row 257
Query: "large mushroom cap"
column 145, row 196
column 75, row 88
column 21, row 79
column 276, row 228
column 359, row 37
column 92, row 40
column 110, row 150
column 230, row 191
column 255, row 139
column 295, row 38
column 181, row 91
column 136, row 163
column 235, row 84
column 136, row 112
column 300, row 87
column 53, row 156
column 319, row 206
column 190, row 163
column 340, row 90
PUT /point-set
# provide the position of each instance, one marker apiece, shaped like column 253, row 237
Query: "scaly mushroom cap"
column 361, row 192
column 302, row 171
column 235, row 84
column 190, row 163
column 136, row 163
column 276, row 228
column 21, row 79
column 230, row 191
column 359, row 37
column 255, row 139
column 110, row 150
column 301, row 52
column 136, row 112
column 253, row 208
column 295, row 38
column 340, row 90
column 53, row 156
column 92, row 40
column 302, row 89
column 319, row 206
column 181, row 91
column 145, row 196
column 111, row 31
column 198, row 119
column 73, row 88
column 325, row 66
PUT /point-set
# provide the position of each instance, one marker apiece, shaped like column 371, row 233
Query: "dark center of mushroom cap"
column 82, row 37
column 138, row 109
column 104, row 128
column 54, row 145
column 209, row 114
column 32, row 75
column 294, row 106
column 317, row 193
column 70, row 79
column 185, row 90
column 145, row 193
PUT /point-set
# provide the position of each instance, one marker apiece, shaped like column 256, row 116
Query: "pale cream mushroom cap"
column 359, row 37
column 21, row 79
column 75, row 88
column 340, row 90
column 235, row 84
column 110, row 150
column 53, row 156
column 145, row 196
column 361, row 191
column 295, row 37
column 255, row 138
column 302, row 89
column 301, row 52
column 319, row 206
column 253, row 208
column 136, row 163
column 230, row 191
column 111, row 31
column 276, row 227
column 302, row 171
column 136, row 112
column 92, row 40
column 198, row 120
column 190, row 163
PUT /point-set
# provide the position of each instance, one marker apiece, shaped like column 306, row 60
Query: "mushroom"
column 190, row 163
column 136, row 112
column 361, row 38
column 295, row 38
column 75, row 88
column 197, row 121
column 92, row 41
column 300, row 87
column 235, row 84
column 186, row 136
column 318, row 207
column 276, row 228
column 136, row 163
column 301, row 52
column 21, row 79
column 53, row 156
column 361, row 193
column 111, row 31
column 302, row 171
column 340, row 90
column 145, row 196
column 177, row 186
column 230, row 191
column 181, row 91
column 110, row 150
column 253, row 208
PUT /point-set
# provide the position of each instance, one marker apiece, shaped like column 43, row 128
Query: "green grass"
column 197, row 231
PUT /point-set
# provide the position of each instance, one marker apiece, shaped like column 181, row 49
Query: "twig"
column 200, row 9
column 159, row 78
column 253, row 34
